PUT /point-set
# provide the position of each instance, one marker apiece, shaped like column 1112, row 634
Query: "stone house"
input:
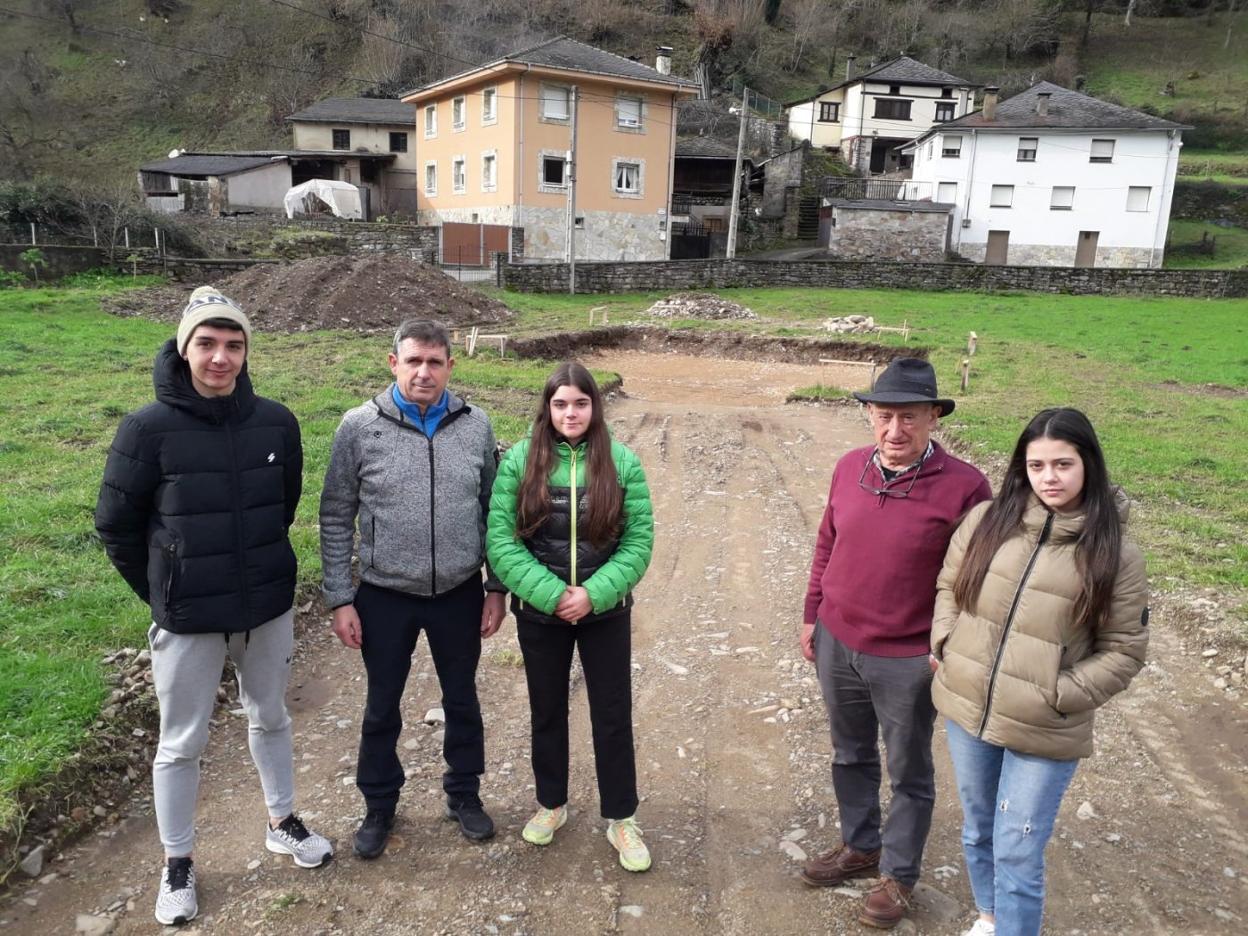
column 493, row 146
column 867, row 117
column 1053, row 177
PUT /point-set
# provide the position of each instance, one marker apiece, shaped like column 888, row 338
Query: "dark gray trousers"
column 867, row 695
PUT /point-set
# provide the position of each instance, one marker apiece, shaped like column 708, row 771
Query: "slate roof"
column 215, row 164
column 564, row 53
column 705, row 147
column 1068, row 110
column 358, row 110
column 901, row 70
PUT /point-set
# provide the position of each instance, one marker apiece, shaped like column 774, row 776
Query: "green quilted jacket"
column 538, row 569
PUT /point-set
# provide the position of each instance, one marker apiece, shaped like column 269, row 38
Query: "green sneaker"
column 624, row 835
column 540, row 830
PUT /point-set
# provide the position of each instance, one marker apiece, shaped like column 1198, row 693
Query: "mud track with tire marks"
column 731, row 789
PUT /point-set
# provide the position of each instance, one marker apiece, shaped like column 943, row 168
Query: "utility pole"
column 570, row 170
column 734, row 211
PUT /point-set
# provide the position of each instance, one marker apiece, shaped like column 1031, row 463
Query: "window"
column 1102, row 151
column 829, row 111
column 1062, row 198
column 431, row 178
column 489, row 105
column 1137, row 197
column 459, row 109
column 431, row 121
column 892, row 110
column 628, row 178
column 946, row 92
column 944, row 111
column 947, row 192
column 342, row 139
column 951, row 145
column 628, row 113
column 579, row 222
column 458, row 177
column 894, row 89
column 1002, row 196
column 398, row 142
column 552, row 170
column 489, row 165
column 554, row 102
column 1027, row 147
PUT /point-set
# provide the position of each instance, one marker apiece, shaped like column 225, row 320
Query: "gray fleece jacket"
column 421, row 502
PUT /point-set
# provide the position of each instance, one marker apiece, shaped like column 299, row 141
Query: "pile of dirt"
column 694, row 305
column 370, row 293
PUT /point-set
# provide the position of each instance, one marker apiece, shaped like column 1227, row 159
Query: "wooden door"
column 1085, row 248
column 998, row 248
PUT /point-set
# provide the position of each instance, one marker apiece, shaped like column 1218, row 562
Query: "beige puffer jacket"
column 1018, row 672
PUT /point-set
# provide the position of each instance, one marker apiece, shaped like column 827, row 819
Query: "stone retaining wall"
column 359, row 235
column 718, row 274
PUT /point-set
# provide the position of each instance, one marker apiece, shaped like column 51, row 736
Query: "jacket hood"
column 171, row 377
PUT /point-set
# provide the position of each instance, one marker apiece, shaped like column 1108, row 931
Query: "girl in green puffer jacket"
column 570, row 532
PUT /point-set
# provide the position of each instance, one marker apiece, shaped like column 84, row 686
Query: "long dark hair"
column 1098, row 548
column 606, row 501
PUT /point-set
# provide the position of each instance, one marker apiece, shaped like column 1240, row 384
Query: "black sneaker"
column 175, row 898
column 472, row 818
column 371, row 836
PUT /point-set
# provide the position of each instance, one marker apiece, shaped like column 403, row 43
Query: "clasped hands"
column 574, row 604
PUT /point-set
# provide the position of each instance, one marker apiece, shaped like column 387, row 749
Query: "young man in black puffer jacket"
column 199, row 491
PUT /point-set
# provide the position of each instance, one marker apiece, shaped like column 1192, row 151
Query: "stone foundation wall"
column 1039, row 255
column 607, row 235
column 719, row 274
column 359, row 235
column 491, row 214
column 861, row 234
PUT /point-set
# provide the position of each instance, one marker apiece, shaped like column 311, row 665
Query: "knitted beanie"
column 206, row 303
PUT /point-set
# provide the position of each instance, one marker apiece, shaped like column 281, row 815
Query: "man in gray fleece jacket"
column 415, row 466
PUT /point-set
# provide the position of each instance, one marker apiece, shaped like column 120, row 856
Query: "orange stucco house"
column 492, row 145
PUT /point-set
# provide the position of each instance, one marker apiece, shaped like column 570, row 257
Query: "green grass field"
column 68, row 372
column 1230, row 249
column 1126, row 64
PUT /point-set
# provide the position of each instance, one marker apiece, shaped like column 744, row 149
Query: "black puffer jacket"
column 197, row 497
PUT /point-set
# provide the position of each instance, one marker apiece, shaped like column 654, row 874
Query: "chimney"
column 663, row 61
column 1042, row 102
column 849, row 65
column 990, row 102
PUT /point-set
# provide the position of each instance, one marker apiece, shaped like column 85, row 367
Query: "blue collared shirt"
column 426, row 422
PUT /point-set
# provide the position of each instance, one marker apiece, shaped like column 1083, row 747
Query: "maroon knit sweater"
column 873, row 578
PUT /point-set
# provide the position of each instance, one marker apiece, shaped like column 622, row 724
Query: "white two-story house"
column 1052, row 177
column 866, row 118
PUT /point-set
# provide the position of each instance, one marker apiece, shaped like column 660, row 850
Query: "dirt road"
column 733, row 753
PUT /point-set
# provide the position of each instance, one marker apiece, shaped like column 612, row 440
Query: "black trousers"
column 605, row 647
column 390, row 622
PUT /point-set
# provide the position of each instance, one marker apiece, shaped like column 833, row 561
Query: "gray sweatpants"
column 187, row 670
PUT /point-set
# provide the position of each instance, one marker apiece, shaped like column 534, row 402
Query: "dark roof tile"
column 1068, row 110
column 206, row 164
column 358, row 110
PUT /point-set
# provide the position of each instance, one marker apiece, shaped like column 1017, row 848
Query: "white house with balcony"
column 1052, row 177
column 866, row 118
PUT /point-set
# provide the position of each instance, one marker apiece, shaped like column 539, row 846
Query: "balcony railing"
column 875, row 190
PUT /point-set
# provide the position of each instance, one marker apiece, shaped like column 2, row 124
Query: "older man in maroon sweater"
column 891, row 510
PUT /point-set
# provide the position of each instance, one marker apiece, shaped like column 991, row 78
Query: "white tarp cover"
column 343, row 198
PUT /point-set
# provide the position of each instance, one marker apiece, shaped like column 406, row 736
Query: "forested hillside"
column 90, row 88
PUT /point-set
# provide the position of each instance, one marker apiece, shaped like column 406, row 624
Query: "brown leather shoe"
column 886, row 904
column 835, row 867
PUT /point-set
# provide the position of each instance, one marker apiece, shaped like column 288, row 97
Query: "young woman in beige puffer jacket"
column 1041, row 617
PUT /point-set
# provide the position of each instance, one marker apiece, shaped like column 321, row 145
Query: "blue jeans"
column 1009, row 805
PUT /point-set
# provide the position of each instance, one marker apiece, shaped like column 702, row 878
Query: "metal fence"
column 43, row 235
column 876, row 189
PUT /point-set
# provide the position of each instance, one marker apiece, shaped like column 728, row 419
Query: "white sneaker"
column 982, row 928
column 176, row 902
column 293, row 838
column 625, row 837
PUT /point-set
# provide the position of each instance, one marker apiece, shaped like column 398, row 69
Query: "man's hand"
column 933, row 662
column 492, row 614
column 574, row 604
column 806, row 640
column 347, row 627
